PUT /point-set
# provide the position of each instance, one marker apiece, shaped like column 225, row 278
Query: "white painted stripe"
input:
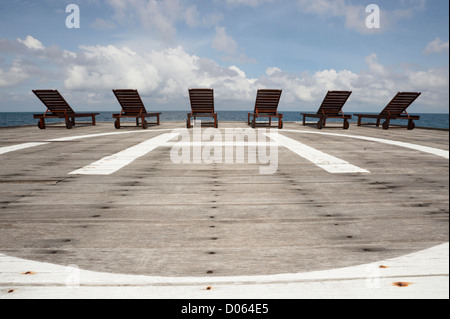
column 427, row 271
column 18, row 147
column 221, row 144
column 113, row 163
column 325, row 161
column 74, row 138
column 421, row 148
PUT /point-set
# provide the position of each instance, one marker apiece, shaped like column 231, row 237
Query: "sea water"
column 440, row 121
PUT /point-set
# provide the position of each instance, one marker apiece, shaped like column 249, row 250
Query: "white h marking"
column 327, row 162
column 113, row 163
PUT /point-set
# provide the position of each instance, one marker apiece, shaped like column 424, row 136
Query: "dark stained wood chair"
column 266, row 106
column 395, row 110
column 57, row 107
column 202, row 105
column 331, row 108
column 132, row 107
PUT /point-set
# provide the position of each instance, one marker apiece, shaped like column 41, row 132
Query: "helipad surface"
column 116, row 214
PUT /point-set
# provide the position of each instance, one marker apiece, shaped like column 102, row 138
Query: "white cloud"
column 250, row 3
column 17, row 73
column 375, row 67
column 355, row 15
column 372, row 88
column 164, row 77
column 224, row 42
column 102, row 25
column 32, row 43
column 437, row 46
column 158, row 17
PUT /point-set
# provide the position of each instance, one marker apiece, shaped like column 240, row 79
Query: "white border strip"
column 425, row 273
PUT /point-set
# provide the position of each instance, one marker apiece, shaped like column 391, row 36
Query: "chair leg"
column 346, row 124
column 69, row 123
column 251, row 118
column 378, row 122
column 117, row 123
column 144, row 123
column 93, row 120
column 41, row 123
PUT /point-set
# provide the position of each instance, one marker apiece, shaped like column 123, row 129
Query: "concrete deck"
column 346, row 214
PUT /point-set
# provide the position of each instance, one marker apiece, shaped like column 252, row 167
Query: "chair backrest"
column 267, row 101
column 334, row 102
column 130, row 101
column 54, row 101
column 202, row 101
column 400, row 103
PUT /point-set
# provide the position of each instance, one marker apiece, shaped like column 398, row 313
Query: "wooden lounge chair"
column 57, row 107
column 202, row 105
column 132, row 107
column 395, row 110
column 331, row 108
column 266, row 105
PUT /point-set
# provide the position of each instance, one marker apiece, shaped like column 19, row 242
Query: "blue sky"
column 164, row 47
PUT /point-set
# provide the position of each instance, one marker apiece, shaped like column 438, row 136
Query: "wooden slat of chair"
column 331, row 107
column 396, row 109
column 266, row 105
column 202, row 105
column 132, row 107
column 57, row 107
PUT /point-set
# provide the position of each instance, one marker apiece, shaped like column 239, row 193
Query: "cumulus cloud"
column 32, row 43
column 224, row 42
column 15, row 74
column 437, row 46
column 167, row 74
column 21, row 68
column 164, row 76
column 158, row 17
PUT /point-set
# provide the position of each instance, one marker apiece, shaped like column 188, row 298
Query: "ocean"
column 439, row 121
